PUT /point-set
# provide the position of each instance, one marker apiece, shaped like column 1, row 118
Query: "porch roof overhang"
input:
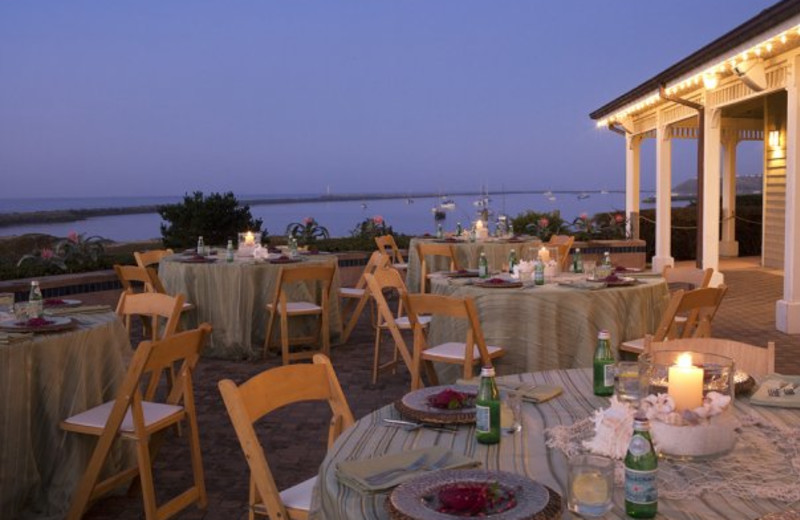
column 776, row 18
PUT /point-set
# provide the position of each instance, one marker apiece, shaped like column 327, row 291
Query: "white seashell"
column 673, row 418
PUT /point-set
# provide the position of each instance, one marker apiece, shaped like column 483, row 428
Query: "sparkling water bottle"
column 439, row 232
column 487, row 409
column 35, row 302
column 512, row 260
column 641, row 467
column 229, row 252
column 603, row 365
column 201, row 247
column 577, row 261
column 538, row 272
column 293, row 247
column 459, row 229
column 483, row 266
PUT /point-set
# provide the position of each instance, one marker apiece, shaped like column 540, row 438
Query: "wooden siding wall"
column 772, row 252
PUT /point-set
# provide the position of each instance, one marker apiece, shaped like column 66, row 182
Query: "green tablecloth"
column 233, row 299
column 43, row 380
column 551, row 326
column 467, row 254
column 523, row 453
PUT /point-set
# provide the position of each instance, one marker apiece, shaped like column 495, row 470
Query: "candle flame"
column 684, row 360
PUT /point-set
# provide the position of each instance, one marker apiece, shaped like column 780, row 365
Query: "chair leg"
column 197, row 460
column 146, row 479
column 325, row 332
column 430, row 372
column 270, row 325
column 376, row 359
column 353, row 321
column 285, row 338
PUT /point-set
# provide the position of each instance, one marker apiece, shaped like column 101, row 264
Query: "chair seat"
column 299, row 495
column 96, row 418
column 188, row 306
column 455, row 351
column 404, row 323
column 299, row 308
column 400, row 266
column 634, row 345
column 351, row 292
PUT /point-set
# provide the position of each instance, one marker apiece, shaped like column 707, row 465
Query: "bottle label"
column 639, row 446
column 640, row 486
column 608, row 375
column 483, row 423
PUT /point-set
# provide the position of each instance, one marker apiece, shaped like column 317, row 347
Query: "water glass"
column 6, row 305
column 591, row 485
column 21, row 311
column 626, row 381
column 512, row 409
column 588, row 267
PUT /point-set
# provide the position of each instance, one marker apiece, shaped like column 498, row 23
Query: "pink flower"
column 73, row 237
column 584, row 216
column 377, row 220
column 47, row 254
column 543, row 222
column 619, row 218
column 308, row 221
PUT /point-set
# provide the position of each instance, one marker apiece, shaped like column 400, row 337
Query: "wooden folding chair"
column 563, row 243
column 697, row 309
column 382, row 280
column 424, row 250
column 355, row 298
column 687, row 278
column 467, row 354
column 150, row 307
column 268, row 391
column 387, row 245
column 318, row 280
column 152, row 257
column 755, row 360
column 133, row 417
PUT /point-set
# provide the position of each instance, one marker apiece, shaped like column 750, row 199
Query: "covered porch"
column 741, row 87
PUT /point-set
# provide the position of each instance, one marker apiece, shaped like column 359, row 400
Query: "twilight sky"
column 289, row 96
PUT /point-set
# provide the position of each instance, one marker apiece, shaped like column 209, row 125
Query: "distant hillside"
column 745, row 185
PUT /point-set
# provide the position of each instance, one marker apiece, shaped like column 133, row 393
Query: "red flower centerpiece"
column 475, row 499
column 449, row 399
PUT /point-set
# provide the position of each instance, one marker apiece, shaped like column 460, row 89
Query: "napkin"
column 83, row 309
column 762, row 398
column 356, row 473
column 531, row 392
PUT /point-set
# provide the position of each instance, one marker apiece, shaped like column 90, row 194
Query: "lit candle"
column 249, row 239
column 686, row 384
column 544, row 255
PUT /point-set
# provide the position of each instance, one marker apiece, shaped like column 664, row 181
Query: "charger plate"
column 56, row 324
column 417, row 499
column 463, row 273
column 505, row 284
column 60, row 303
column 414, row 405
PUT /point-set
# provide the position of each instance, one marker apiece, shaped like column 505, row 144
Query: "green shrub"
column 217, row 218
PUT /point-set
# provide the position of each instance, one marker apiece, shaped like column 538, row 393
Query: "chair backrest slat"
column 424, row 250
column 148, row 258
column 697, row 278
column 387, row 245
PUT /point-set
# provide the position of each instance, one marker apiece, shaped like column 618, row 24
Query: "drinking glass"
column 588, row 267
column 6, row 305
column 21, row 311
column 512, row 405
column 591, row 485
column 626, row 381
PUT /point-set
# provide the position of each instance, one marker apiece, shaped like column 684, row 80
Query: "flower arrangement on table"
column 307, row 232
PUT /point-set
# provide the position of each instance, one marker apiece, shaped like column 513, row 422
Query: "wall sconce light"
column 710, row 81
column 774, row 139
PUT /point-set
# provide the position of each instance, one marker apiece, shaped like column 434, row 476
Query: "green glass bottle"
column 459, row 229
column 483, row 266
column 641, row 466
column 512, row 260
column 538, row 272
column 229, row 252
column 439, row 232
column 603, row 365
column 487, row 409
column 577, row 261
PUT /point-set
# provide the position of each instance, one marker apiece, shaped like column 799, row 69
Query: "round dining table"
column 468, row 252
column 551, row 326
column 233, row 298
column 527, row 453
column 45, row 378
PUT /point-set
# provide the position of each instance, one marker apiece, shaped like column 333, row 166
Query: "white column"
column 663, row 255
column 711, row 180
column 632, row 192
column 729, row 247
column 787, row 315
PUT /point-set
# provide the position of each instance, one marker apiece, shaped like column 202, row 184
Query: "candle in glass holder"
column 686, row 384
column 544, row 255
column 249, row 239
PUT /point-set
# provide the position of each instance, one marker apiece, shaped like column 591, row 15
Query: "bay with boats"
column 137, row 218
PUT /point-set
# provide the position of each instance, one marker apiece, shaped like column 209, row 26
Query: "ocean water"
column 340, row 218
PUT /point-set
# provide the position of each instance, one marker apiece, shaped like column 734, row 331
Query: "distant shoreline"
column 78, row 214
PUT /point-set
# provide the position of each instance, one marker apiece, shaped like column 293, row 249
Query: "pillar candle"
column 686, row 384
column 249, row 239
column 544, row 255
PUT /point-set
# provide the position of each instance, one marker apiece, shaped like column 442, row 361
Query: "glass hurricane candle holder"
column 249, row 239
column 718, row 371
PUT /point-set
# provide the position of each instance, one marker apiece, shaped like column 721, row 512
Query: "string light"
column 710, row 78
